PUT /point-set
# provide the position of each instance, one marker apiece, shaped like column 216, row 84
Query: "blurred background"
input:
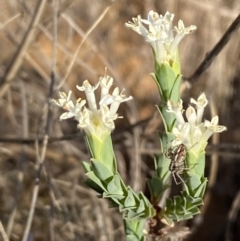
column 73, row 40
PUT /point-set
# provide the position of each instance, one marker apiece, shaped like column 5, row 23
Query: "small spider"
column 177, row 165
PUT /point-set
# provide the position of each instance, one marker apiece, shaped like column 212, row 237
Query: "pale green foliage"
column 97, row 121
column 102, row 173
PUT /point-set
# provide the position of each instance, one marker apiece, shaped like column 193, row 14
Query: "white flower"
column 193, row 133
column 137, row 26
column 89, row 92
column 177, row 109
column 64, row 99
column 182, row 133
column 201, row 103
column 181, row 32
column 66, row 103
column 106, row 83
column 160, row 34
column 212, row 127
column 115, row 100
column 97, row 119
column 191, row 115
column 108, row 117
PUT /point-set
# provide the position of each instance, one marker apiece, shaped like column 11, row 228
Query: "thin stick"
column 3, row 25
column 17, row 59
column 28, row 58
column 2, row 231
column 66, row 51
column 54, row 60
column 40, row 163
column 232, row 216
column 215, row 51
column 80, row 45
column 20, row 173
column 36, row 189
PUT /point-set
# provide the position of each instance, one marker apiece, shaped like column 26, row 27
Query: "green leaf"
column 136, row 196
column 123, row 186
column 165, row 77
column 176, row 66
column 86, row 166
column 156, row 188
column 114, row 186
column 89, row 145
column 101, row 170
column 199, row 191
column 196, row 163
column 132, row 238
column 192, row 183
column 190, row 202
column 130, row 226
column 168, row 117
column 195, row 185
column 195, row 211
column 130, row 200
column 91, row 175
column 91, row 184
column 134, row 230
column 202, row 188
column 108, row 157
column 174, row 93
column 162, row 171
column 149, row 210
column 132, row 215
column 113, row 202
column 139, row 227
column 181, row 207
column 141, row 207
column 95, row 146
column 169, row 204
column 155, row 79
column 178, row 205
column 102, row 150
column 162, row 117
column 113, row 196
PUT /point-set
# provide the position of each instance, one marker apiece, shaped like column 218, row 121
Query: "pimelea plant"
column 183, row 141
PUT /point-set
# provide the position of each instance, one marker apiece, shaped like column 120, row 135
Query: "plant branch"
column 210, row 56
column 17, row 59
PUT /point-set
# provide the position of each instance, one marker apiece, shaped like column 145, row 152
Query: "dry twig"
column 232, row 216
column 16, row 61
column 210, row 56
column 2, row 231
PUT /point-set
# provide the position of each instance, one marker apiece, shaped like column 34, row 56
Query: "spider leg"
column 175, row 179
column 180, row 178
column 177, row 174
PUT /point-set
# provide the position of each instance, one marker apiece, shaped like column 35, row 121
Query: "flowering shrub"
column 183, row 142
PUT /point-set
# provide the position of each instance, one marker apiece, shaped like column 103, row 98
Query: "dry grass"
column 76, row 43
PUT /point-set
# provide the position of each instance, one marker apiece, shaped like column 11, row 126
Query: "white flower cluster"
column 160, row 34
column 193, row 133
column 96, row 119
